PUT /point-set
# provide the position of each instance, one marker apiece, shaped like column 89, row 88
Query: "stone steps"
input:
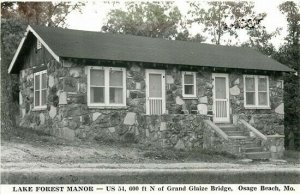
column 258, row 155
column 250, row 148
column 251, row 144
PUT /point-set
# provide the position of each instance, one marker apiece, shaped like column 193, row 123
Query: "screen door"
column 221, row 98
column 155, row 92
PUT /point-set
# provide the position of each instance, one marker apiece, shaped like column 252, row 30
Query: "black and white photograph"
column 161, row 93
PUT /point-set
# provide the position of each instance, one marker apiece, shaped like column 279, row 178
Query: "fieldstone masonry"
column 68, row 116
column 268, row 121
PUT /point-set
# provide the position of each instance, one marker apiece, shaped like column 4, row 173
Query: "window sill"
column 108, row 107
column 256, row 107
column 189, row 97
column 39, row 109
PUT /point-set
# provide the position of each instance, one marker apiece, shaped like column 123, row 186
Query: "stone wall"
column 275, row 144
column 268, row 121
column 174, row 130
column 174, row 98
column 36, row 60
column 67, row 114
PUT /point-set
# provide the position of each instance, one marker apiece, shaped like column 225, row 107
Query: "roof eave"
column 287, row 69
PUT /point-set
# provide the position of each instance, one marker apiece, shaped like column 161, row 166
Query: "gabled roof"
column 66, row 43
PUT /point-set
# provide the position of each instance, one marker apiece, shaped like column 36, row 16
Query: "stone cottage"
column 86, row 85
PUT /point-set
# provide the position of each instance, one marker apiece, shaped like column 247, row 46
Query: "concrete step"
column 251, row 145
column 258, row 155
column 252, row 149
column 225, row 124
column 238, row 137
column 228, row 128
column 235, row 133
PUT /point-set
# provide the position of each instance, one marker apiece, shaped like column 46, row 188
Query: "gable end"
column 21, row 46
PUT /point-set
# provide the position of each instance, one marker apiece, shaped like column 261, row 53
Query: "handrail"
column 255, row 131
column 217, row 129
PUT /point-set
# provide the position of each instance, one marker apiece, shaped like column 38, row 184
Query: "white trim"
column 38, row 44
column 30, row 29
column 106, row 87
column 215, row 119
column 163, row 86
column 282, row 83
column 256, row 105
column 20, row 98
column 183, row 84
column 39, row 107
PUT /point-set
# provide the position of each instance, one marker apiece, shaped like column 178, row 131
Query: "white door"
column 155, row 92
column 221, row 98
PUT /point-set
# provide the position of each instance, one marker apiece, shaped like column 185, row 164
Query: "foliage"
column 214, row 18
column 14, row 19
column 41, row 13
column 260, row 39
column 289, row 54
column 292, row 12
column 11, row 34
column 151, row 19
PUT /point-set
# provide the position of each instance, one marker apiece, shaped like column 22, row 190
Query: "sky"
column 93, row 17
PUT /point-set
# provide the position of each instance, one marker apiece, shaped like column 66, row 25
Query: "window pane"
column 97, row 77
column 262, row 84
column 189, row 89
column 116, row 78
column 250, row 98
column 262, row 98
column 250, row 84
column 97, row 95
column 188, row 79
column 116, row 95
column 37, row 98
column 44, row 96
column 155, row 85
column 44, row 80
column 220, row 84
column 37, row 82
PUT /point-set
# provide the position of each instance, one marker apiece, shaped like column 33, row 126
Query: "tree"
column 47, row 13
column 217, row 15
column 260, row 39
column 289, row 54
column 11, row 34
column 151, row 19
column 14, row 19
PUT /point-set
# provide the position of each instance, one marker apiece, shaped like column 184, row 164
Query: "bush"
column 130, row 138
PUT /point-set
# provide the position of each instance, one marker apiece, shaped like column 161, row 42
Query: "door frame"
column 163, row 86
column 225, row 120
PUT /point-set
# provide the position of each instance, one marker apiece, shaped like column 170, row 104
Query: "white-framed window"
column 40, row 89
column 281, row 84
column 38, row 44
column 256, row 91
column 188, row 84
column 106, row 86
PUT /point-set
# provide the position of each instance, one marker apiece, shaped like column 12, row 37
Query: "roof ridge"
column 142, row 37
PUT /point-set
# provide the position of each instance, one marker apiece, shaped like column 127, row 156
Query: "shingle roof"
column 97, row 45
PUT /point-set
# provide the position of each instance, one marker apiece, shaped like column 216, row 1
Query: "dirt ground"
column 27, row 146
column 31, row 157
